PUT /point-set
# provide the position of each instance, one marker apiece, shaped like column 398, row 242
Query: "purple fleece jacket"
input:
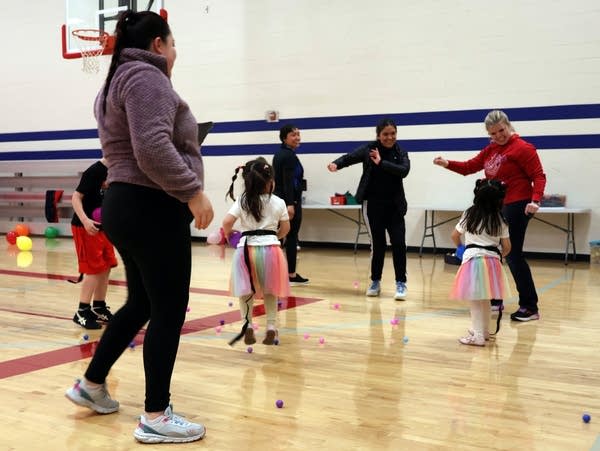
column 148, row 134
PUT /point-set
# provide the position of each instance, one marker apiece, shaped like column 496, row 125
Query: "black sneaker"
column 524, row 315
column 103, row 314
column 298, row 280
column 86, row 319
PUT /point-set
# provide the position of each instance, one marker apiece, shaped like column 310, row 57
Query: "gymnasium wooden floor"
column 370, row 386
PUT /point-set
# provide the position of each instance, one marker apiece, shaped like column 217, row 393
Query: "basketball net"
column 91, row 44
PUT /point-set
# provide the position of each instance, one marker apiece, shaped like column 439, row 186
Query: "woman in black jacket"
column 289, row 184
column 381, row 193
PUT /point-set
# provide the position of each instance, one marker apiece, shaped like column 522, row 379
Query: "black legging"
column 382, row 216
column 291, row 240
column 151, row 231
column 517, row 226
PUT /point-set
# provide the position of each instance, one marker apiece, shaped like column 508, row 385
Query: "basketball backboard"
column 98, row 15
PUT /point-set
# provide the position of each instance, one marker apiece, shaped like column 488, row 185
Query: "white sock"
column 88, row 385
column 156, row 420
column 477, row 319
column 271, row 311
column 486, row 308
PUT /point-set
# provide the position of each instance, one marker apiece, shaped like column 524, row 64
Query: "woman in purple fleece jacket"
column 155, row 176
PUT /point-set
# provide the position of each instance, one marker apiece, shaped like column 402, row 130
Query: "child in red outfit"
column 95, row 254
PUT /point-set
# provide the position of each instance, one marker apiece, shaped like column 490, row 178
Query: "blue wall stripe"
column 541, row 113
column 49, row 135
column 51, row 155
column 424, row 118
column 335, row 147
column 410, row 145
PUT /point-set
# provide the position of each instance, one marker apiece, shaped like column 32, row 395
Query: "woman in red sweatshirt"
column 512, row 160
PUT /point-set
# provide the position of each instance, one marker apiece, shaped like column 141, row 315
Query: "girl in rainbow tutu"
column 259, row 267
column 481, row 276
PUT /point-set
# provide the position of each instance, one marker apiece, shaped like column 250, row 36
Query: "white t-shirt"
column 481, row 239
column 274, row 210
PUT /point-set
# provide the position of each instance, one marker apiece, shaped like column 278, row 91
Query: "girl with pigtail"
column 481, row 276
column 259, row 268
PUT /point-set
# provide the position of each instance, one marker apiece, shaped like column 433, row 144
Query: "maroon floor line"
column 119, row 283
column 70, row 354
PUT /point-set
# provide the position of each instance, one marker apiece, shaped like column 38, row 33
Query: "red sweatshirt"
column 516, row 163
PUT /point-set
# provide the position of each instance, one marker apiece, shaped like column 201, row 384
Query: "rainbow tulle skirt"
column 268, row 268
column 480, row 277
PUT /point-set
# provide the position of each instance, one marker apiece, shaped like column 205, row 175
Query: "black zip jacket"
column 289, row 176
column 398, row 165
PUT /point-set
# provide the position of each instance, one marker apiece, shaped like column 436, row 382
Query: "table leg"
column 428, row 231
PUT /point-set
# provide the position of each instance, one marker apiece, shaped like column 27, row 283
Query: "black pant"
column 291, row 240
column 151, row 231
column 517, row 226
column 379, row 217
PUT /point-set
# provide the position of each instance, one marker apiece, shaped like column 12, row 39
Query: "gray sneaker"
column 400, row 291
column 374, row 289
column 168, row 428
column 96, row 399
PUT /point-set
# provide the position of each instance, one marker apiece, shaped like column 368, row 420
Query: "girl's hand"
column 90, row 226
column 202, row 210
column 332, row 167
column 440, row 162
column 374, row 156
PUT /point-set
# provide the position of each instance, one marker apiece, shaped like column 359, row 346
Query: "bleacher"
column 23, row 200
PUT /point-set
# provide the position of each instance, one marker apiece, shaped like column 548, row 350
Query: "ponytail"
column 134, row 30
column 233, row 179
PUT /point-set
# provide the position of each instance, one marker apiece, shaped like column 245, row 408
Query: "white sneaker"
column 486, row 335
column 401, row 291
column 374, row 289
column 96, row 399
column 472, row 340
column 168, row 428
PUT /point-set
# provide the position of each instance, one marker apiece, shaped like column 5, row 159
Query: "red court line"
column 119, row 283
column 70, row 354
column 41, row 315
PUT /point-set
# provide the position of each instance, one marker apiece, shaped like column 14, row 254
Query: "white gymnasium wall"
column 310, row 59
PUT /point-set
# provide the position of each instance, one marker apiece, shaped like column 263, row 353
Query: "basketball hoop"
column 91, row 43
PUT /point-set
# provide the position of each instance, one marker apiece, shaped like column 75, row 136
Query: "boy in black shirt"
column 95, row 254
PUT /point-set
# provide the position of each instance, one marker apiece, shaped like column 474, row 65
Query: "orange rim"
column 85, row 34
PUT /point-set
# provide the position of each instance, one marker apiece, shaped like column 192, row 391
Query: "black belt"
column 258, row 232
column 247, row 262
column 487, row 248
